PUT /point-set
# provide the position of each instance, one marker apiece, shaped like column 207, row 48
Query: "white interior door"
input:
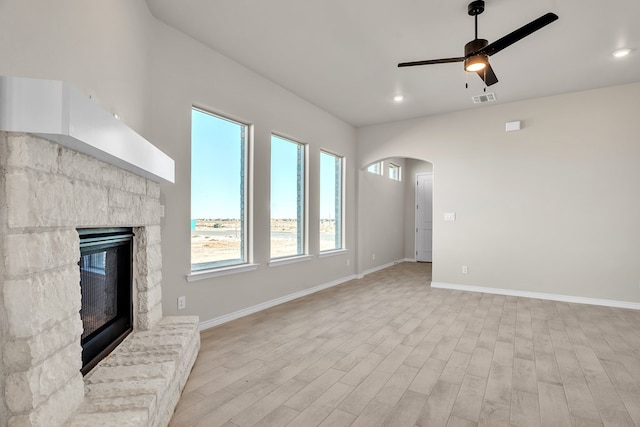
column 424, row 217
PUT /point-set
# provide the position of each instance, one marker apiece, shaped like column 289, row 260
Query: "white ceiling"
column 342, row 55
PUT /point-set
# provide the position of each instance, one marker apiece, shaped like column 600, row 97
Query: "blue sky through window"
column 216, row 162
column 284, row 181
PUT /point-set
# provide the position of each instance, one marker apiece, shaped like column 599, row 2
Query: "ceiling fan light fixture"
column 476, row 63
column 620, row 53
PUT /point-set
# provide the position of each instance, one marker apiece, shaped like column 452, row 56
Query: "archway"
column 387, row 211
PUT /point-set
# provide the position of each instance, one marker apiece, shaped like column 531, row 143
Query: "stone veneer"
column 46, row 192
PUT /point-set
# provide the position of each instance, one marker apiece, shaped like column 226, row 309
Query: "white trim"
column 268, row 304
column 289, row 260
column 539, row 295
column 380, row 267
column 332, row 252
column 233, row 269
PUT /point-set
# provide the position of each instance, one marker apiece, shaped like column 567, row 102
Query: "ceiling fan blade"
column 488, row 76
column 431, row 61
column 519, row 34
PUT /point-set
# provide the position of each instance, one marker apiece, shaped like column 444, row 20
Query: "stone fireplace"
column 47, row 192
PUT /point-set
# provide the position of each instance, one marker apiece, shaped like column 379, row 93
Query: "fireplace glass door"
column 106, row 260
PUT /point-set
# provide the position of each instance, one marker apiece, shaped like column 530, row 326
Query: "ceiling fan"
column 477, row 51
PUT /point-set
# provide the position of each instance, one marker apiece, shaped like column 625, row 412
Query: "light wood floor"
column 389, row 350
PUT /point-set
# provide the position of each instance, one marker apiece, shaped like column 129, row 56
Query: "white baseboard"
column 539, row 295
column 381, row 267
column 268, row 304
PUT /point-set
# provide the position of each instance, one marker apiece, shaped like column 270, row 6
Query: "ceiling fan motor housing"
column 474, row 46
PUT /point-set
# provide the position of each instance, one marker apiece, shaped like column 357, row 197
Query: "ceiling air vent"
column 487, row 97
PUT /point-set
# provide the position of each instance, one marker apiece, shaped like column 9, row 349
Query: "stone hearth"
column 46, row 192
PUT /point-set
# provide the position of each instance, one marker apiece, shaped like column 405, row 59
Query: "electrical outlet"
column 182, row 303
column 465, row 269
column 373, row 256
column 348, row 262
column 450, row 216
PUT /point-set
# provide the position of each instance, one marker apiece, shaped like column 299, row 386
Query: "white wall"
column 99, row 47
column 187, row 73
column 553, row 208
column 381, row 218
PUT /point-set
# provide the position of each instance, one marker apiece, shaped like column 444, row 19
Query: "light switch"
column 450, row 216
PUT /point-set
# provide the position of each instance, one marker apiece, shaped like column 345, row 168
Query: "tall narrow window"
column 375, row 168
column 394, row 172
column 287, row 198
column 218, row 191
column 331, row 212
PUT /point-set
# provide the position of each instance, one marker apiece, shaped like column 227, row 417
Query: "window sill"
column 333, row 253
column 289, row 260
column 223, row 271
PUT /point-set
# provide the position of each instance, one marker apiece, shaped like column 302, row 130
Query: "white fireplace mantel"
column 57, row 111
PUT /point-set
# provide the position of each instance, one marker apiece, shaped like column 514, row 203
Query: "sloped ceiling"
column 342, row 55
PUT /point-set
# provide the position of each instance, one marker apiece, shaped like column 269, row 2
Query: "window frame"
column 223, row 267
column 398, row 168
column 303, row 251
column 343, row 244
column 378, row 168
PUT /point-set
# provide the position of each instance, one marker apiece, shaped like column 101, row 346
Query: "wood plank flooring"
column 389, row 350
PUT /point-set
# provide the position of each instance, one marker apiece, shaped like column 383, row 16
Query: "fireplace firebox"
column 106, row 266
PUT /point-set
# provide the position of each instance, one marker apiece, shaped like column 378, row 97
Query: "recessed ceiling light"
column 398, row 98
column 621, row 52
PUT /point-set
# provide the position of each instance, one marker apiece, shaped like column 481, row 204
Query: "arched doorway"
column 387, row 212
